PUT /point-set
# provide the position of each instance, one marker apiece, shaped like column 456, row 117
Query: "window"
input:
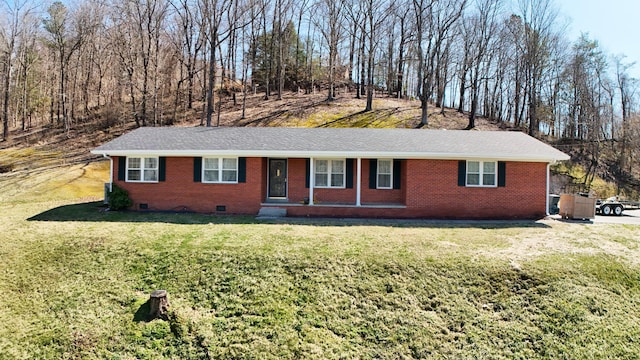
column 220, row 170
column 481, row 173
column 385, row 171
column 142, row 169
column 329, row 173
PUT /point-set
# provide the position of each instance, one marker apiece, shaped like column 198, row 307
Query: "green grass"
column 75, row 279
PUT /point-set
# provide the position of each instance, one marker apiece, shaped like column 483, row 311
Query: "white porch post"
column 358, row 180
column 312, row 179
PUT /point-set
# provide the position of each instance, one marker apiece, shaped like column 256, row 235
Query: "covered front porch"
column 334, row 183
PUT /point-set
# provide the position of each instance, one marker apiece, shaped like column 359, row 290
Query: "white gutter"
column 335, row 154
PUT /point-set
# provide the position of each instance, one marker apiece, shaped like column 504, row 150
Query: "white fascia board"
column 330, row 154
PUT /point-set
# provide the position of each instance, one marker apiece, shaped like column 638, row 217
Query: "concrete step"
column 272, row 212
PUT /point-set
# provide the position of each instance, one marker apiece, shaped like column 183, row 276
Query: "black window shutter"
column 162, row 168
column 242, row 169
column 349, row 174
column 373, row 173
column 307, row 173
column 397, row 167
column 502, row 173
column 122, row 168
column 462, row 173
column 197, row 169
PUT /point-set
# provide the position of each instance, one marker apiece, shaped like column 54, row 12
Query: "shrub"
column 119, row 199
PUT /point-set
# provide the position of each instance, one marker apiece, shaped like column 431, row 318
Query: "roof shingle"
column 319, row 142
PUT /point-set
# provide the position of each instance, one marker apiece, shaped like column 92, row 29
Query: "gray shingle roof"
column 328, row 142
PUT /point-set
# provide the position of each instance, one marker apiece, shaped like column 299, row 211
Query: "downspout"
column 358, row 180
column 312, row 181
column 546, row 211
column 110, row 171
column 106, row 194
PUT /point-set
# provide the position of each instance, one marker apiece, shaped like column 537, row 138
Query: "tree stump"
column 158, row 304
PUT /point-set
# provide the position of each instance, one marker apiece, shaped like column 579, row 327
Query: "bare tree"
column 403, row 20
column 483, row 30
column 354, row 13
column 539, row 20
column 302, row 8
column 375, row 14
column 219, row 28
column 626, row 88
column 329, row 22
column 11, row 28
column 399, row 34
column 434, row 21
column 26, row 83
column 188, row 42
column 64, row 39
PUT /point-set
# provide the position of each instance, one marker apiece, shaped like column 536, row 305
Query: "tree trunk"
column 369, row 105
column 5, row 102
column 158, row 304
column 211, row 81
column 424, row 115
column 400, row 59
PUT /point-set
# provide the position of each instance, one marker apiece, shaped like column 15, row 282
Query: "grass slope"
column 74, row 281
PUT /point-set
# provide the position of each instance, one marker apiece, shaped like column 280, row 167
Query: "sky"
column 615, row 24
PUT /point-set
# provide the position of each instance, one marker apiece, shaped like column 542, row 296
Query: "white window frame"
column 481, row 173
column 220, row 170
column 390, row 174
column 330, row 172
column 143, row 168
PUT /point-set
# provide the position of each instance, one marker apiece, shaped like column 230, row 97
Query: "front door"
column 277, row 178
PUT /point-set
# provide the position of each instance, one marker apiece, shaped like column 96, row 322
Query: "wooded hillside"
column 87, row 66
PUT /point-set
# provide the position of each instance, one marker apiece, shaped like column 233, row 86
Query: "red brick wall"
column 180, row 193
column 429, row 189
column 381, row 196
column 296, row 171
column 433, row 191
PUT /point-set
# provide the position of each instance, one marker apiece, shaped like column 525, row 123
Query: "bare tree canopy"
column 150, row 62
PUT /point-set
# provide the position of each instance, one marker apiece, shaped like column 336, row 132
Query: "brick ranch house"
column 334, row 172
